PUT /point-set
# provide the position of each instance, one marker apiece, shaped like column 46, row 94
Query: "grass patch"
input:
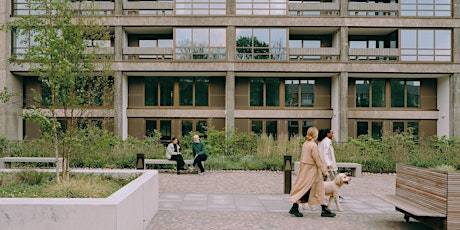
column 31, row 184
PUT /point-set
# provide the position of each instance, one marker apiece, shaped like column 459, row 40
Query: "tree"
column 73, row 75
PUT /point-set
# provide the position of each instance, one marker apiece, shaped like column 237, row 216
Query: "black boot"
column 325, row 212
column 295, row 210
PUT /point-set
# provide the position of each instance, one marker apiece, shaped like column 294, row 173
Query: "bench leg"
column 353, row 172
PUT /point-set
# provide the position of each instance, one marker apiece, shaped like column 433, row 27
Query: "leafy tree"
column 74, row 75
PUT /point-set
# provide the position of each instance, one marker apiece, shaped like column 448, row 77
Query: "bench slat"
column 409, row 206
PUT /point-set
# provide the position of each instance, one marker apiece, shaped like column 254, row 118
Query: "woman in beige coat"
column 308, row 186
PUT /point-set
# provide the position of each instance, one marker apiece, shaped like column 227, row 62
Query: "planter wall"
column 437, row 191
column 131, row 207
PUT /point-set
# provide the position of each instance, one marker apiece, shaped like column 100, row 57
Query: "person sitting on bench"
column 173, row 153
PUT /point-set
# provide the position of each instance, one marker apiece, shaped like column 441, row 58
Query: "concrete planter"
column 131, row 207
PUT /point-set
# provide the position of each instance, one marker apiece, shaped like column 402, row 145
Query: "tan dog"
column 331, row 189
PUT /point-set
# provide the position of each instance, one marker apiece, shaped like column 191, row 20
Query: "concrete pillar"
column 120, row 89
column 456, row 9
column 119, row 40
column 231, row 7
column 455, row 105
column 343, row 44
column 343, row 8
column 119, row 7
column 3, row 63
column 444, row 106
column 231, row 44
column 335, row 105
column 230, row 100
column 342, row 112
column 456, row 46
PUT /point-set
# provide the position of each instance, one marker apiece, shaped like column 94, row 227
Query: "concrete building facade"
column 266, row 66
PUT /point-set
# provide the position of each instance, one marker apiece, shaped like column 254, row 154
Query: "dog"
column 331, row 190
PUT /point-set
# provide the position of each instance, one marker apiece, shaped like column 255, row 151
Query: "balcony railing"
column 373, row 9
column 302, row 9
column 104, row 8
column 304, row 54
column 148, row 8
column 373, row 54
column 135, row 53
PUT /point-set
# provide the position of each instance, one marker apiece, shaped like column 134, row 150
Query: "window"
column 193, row 91
column 295, row 129
column 376, row 129
column 200, row 43
column 299, row 93
column 22, row 41
column 261, row 44
column 261, row 7
column 187, row 127
column 426, row 45
column 264, row 86
column 256, row 127
column 406, row 126
column 162, row 86
column 370, row 93
column 269, row 127
column 164, row 128
column 200, row 7
column 426, row 8
column 304, row 44
column 150, row 127
column 405, row 93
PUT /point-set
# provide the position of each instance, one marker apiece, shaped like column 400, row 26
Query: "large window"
column 261, row 44
column 426, row 45
column 193, row 91
column 159, row 91
column 298, row 127
column 427, row 8
column 268, row 127
column 200, row 43
column 406, row 126
column 374, row 128
column 200, row 7
column 405, row 93
column 370, row 93
column 261, row 7
column 264, row 88
column 22, row 41
column 162, row 126
column 299, row 93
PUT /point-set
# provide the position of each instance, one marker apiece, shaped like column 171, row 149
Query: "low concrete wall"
column 131, row 207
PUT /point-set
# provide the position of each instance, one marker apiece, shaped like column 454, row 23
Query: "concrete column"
column 455, row 105
column 119, row 7
column 230, row 100
column 343, row 44
column 456, row 9
column 342, row 112
column 120, row 88
column 444, row 106
column 231, row 7
column 119, row 40
column 3, row 63
column 456, row 46
column 231, row 43
column 343, row 8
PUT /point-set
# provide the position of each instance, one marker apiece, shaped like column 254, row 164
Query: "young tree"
column 57, row 35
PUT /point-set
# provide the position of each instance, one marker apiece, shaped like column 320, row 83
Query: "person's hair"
column 174, row 138
column 312, row 133
column 323, row 134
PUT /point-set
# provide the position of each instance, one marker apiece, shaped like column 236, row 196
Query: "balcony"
column 148, row 8
column 103, row 8
column 373, row 9
column 313, row 8
column 372, row 54
column 306, row 54
column 157, row 53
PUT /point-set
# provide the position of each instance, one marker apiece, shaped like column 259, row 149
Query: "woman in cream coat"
column 308, row 186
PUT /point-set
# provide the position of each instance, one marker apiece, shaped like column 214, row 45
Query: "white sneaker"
column 201, row 173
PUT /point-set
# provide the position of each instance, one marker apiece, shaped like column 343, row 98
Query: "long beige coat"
column 310, row 175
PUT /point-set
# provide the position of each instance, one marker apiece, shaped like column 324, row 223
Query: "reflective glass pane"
column 377, row 130
column 165, row 129
column 151, row 91
column 186, row 91
column 413, row 127
column 187, row 127
column 397, row 93
column 443, row 39
column 362, row 128
column 293, row 128
column 166, row 91
column 150, row 126
column 362, row 93
column 307, row 96
column 271, row 128
column 273, row 91
column 201, row 37
column 408, row 39
column 413, row 94
column 425, row 39
column 201, row 91
column 291, row 93
column 183, row 37
column 217, row 38
column 256, row 92
column 256, row 127
column 378, row 92
column 398, row 127
column 261, row 37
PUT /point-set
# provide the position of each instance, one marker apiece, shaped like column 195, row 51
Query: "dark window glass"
column 291, row 93
column 150, row 126
column 165, row 130
column 378, row 92
column 397, row 93
column 307, row 93
column 377, row 130
column 362, row 93
column 293, row 128
column 151, row 91
column 273, row 91
column 362, row 128
column 271, row 128
column 305, row 126
column 256, row 127
column 414, row 127
column 167, row 91
column 187, row 127
column 201, row 127
column 96, row 124
column 82, row 124
column 413, row 94
column 257, row 92
column 46, row 95
column 186, row 91
column 201, row 91
column 398, row 127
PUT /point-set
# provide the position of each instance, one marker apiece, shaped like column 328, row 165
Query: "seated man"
column 199, row 152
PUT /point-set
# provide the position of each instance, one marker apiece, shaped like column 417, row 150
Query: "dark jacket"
column 199, row 148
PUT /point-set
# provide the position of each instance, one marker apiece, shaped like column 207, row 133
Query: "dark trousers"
column 180, row 161
column 198, row 160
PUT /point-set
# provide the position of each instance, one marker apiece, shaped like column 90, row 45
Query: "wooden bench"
column 355, row 167
column 5, row 162
column 420, row 195
column 164, row 162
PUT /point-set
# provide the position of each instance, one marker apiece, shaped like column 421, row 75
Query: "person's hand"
column 328, row 175
column 178, row 153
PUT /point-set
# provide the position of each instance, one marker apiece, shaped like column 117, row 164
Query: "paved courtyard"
column 256, row 200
